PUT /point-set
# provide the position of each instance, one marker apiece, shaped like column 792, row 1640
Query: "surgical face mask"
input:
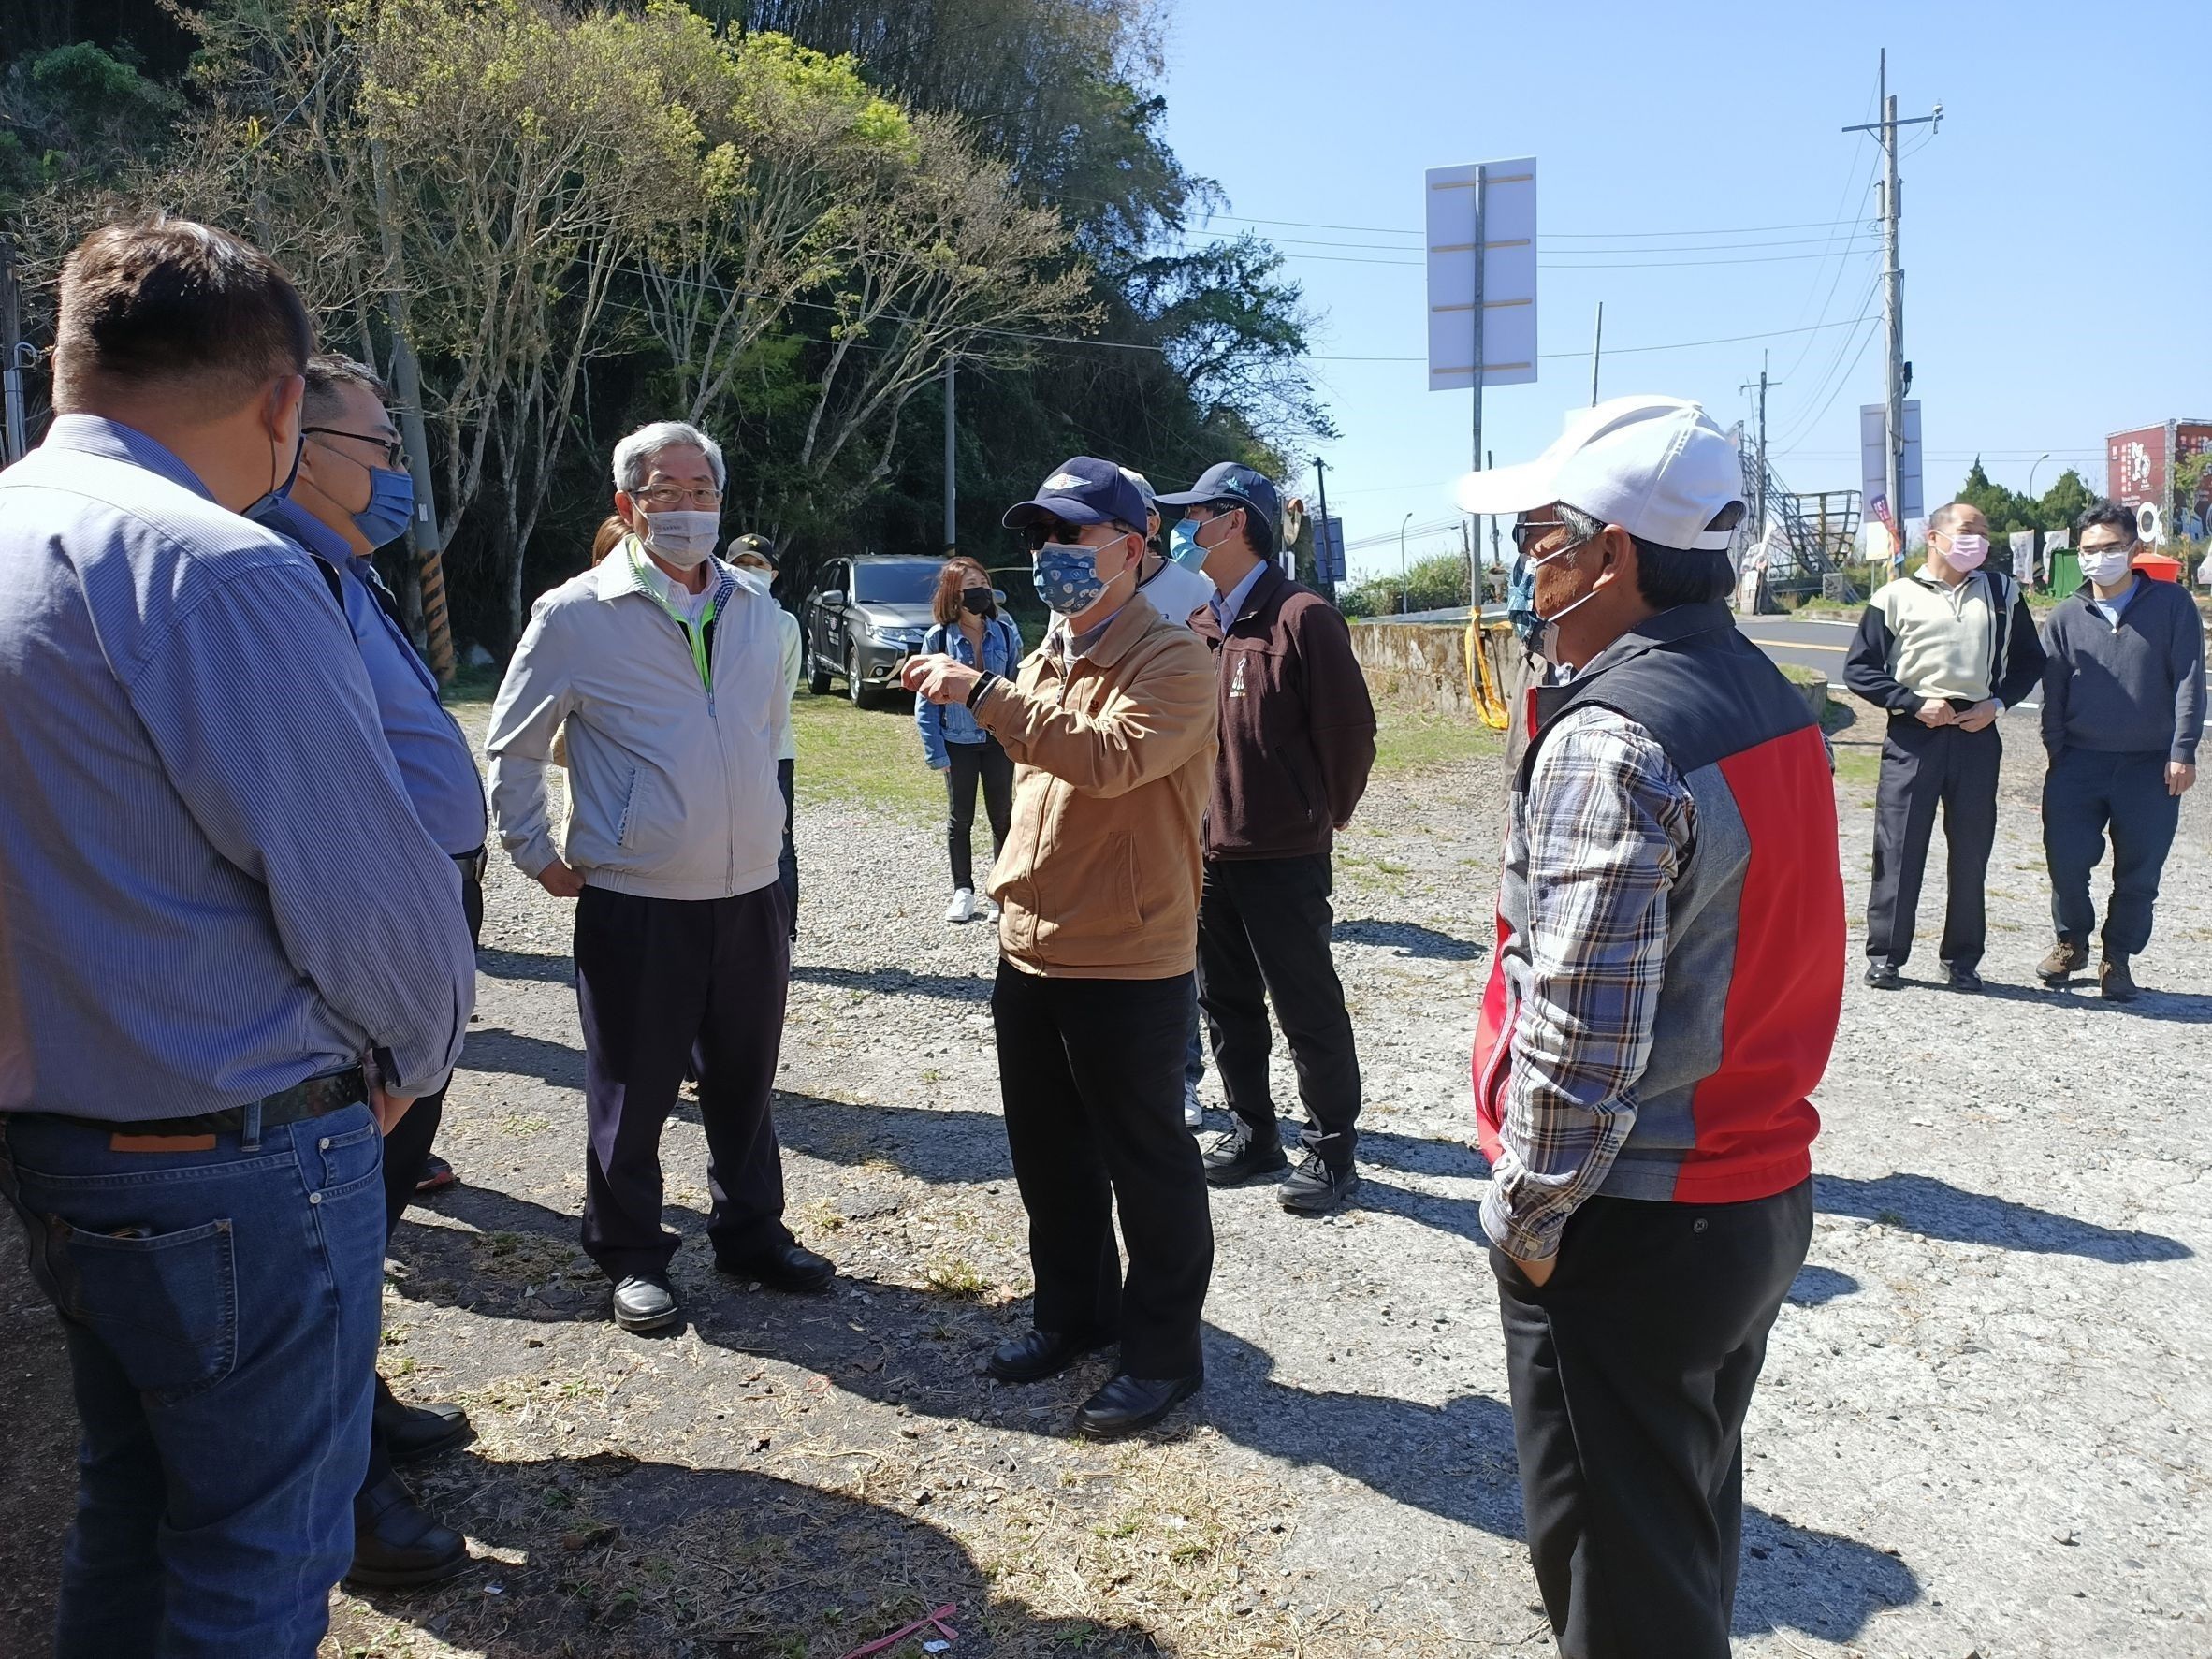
column 279, row 491
column 391, row 504
column 1183, row 545
column 1966, row 552
column 1551, row 619
column 2105, row 565
column 684, row 537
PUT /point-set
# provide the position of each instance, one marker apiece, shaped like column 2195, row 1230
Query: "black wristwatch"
column 985, row 681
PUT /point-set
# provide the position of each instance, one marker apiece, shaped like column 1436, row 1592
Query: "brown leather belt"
column 315, row 1097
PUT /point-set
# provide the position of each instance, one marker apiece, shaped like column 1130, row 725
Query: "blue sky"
column 2033, row 322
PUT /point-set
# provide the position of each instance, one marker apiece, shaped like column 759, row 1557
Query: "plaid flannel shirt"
column 1606, row 827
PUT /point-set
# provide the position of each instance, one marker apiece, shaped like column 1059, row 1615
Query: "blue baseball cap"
column 1228, row 484
column 1082, row 489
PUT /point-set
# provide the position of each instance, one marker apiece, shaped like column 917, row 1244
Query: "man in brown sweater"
column 1297, row 742
column 1110, row 725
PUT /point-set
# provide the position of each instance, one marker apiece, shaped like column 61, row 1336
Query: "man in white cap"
column 1663, row 1000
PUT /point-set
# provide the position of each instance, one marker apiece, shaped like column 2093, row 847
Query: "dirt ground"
column 1983, row 1429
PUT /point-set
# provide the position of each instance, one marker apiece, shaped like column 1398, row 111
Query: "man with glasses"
column 2123, row 707
column 1297, row 743
column 1663, row 1000
column 667, row 665
column 352, row 495
column 1944, row 650
column 1111, row 726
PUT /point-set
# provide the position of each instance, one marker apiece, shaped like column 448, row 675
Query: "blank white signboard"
column 1508, row 273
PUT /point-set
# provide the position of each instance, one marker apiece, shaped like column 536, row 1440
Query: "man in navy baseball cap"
column 1227, row 485
column 1082, row 489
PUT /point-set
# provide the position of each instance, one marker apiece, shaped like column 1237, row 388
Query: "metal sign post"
column 1482, row 282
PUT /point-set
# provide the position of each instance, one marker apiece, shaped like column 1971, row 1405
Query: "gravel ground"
column 1981, row 1428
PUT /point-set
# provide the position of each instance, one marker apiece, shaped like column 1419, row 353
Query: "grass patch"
column 869, row 757
column 1415, row 740
column 1859, row 765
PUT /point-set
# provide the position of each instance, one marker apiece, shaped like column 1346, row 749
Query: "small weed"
column 1889, row 1218
column 956, row 1278
column 518, row 1123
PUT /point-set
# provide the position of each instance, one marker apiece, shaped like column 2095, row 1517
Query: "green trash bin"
column 2065, row 571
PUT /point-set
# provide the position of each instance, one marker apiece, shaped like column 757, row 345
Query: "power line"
column 1563, row 235
column 1563, row 264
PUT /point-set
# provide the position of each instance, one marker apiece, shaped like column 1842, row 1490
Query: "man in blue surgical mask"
column 349, row 495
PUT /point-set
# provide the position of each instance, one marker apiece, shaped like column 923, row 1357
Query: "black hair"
column 169, row 302
column 327, row 371
column 1668, row 577
column 2112, row 516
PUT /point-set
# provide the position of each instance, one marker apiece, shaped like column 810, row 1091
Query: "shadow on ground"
column 628, row 1556
column 1410, row 939
column 912, row 1349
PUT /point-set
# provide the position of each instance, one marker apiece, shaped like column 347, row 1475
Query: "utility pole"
column 13, row 445
column 1402, row 607
column 1893, row 302
column 952, row 449
column 422, row 535
column 1481, row 362
column 1324, row 554
column 1597, row 343
column 1497, row 560
column 1760, row 520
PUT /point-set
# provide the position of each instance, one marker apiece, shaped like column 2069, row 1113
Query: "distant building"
column 2139, row 469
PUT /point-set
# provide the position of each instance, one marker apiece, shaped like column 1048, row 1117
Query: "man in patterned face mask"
column 1110, row 725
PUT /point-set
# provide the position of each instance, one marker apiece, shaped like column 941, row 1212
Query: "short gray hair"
column 633, row 455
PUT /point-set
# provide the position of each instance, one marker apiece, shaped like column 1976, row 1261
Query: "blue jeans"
column 221, row 1313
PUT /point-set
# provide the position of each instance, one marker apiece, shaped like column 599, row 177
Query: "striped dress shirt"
column 212, row 885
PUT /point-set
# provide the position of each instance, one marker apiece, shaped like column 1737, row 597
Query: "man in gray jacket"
column 2123, row 705
column 665, row 664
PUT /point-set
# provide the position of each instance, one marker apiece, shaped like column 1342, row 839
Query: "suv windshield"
column 902, row 583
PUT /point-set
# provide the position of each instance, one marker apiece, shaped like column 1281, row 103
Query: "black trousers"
column 2085, row 796
column 407, row 1148
column 1922, row 767
column 973, row 762
column 786, row 862
column 1631, row 1371
column 662, row 983
column 1090, row 1072
column 1263, row 936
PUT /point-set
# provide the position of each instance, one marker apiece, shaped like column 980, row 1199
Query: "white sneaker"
column 986, row 908
column 962, row 909
column 1194, row 1115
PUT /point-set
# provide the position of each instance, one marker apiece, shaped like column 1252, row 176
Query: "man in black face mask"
column 351, row 495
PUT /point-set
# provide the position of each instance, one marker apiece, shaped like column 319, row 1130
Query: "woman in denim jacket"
column 972, row 629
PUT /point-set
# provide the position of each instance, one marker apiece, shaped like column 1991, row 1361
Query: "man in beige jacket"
column 1111, row 724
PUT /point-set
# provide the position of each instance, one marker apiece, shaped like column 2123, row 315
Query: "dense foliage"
column 779, row 219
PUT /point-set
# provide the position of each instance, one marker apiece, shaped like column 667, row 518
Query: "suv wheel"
column 818, row 678
column 863, row 694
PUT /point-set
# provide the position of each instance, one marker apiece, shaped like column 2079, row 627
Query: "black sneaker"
column 1963, row 979
column 1883, row 976
column 1315, row 1187
column 1241, row 1155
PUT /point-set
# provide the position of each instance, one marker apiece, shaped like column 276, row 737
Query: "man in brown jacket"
column 1110, row 725
column 1297, row 743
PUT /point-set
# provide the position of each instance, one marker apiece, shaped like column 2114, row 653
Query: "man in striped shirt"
column 217, row 910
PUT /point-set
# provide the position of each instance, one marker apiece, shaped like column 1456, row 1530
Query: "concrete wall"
column 1425, row 665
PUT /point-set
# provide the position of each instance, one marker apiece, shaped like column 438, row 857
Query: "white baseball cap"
column 1657, row 467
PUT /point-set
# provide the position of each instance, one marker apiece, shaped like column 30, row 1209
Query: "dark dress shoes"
column 1043, row 1353
column 788, row 1266
column 1963, row 979
column 1130, row 1404
column 1884, row 976
column 398, row 1545
column 410, row 1433
column 644, row 1301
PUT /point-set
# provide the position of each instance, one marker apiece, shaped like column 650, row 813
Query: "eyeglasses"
column 675, row 495
column 1530, row 529
column 393, row 447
